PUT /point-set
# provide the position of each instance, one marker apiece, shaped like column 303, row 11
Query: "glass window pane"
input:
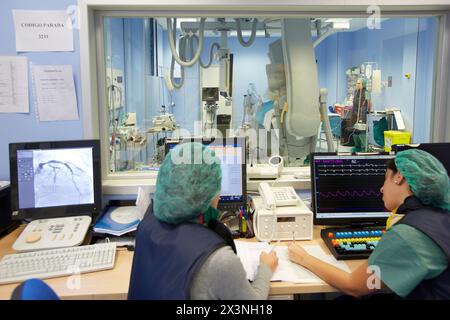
column 369, row 72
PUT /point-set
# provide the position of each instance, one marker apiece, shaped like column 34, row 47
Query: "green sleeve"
column 405, row 257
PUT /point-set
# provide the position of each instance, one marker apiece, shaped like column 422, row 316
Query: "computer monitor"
column 345, row 189
column 440, row 150
column 55, row 179
column 231, row 152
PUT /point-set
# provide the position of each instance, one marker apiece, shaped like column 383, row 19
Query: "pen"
column 243, row 213
column 273, row 247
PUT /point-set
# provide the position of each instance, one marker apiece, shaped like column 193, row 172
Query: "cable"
column 182, row 49
column 252, row 36
column 214, row 45
column 172, row 29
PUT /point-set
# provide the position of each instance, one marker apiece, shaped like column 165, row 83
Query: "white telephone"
column 278, row 197
column 280, row 214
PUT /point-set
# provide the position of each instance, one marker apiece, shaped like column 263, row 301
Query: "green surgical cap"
column 426, row 177
column 188, row 179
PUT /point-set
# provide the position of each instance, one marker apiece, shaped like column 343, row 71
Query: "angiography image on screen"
column 56, row 177
column 63, row 177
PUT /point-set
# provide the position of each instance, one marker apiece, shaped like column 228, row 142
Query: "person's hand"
column 215, row 202
column 269, row 259
column 297, row 254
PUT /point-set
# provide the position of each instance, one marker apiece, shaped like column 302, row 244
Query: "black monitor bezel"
column 58, row 211
column 432, row 148
column 225, row 141
column 339, row 221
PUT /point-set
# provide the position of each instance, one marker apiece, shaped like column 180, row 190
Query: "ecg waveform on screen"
column 350, row 194
column 367, row 169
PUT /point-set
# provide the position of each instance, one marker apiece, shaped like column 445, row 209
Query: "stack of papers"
column 118, row 221
column 288, row 271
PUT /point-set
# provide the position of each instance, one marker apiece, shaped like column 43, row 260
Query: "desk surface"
column 113, row 284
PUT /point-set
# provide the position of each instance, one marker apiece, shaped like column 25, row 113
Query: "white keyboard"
column 57, row 262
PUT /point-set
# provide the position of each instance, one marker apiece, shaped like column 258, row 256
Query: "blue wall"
column 26, row 127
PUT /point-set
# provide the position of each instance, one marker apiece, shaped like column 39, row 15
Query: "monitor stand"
column 53, row 233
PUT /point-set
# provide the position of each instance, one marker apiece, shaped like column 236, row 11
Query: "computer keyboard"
column 57, row 262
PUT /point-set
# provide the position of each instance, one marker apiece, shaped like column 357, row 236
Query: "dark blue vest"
column 435, row 223
column 167, row 257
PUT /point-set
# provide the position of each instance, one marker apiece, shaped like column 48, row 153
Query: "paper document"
column 287, row 270
column 142, row 202
column 248, row 253
column 6, row 90
column 42, row 31
column 14, row 84
column 55, row 92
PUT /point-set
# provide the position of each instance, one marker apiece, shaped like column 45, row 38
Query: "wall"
column 26, row 127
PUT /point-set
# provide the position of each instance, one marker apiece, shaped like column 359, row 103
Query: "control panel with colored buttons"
column 352, row 243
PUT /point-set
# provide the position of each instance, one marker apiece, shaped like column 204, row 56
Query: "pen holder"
column 246, row 225
column 243, row 227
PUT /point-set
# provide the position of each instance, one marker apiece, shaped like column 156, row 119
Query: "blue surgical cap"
column 426, row 176
column 188, row 179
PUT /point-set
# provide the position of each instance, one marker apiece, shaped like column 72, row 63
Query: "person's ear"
column 399, row 178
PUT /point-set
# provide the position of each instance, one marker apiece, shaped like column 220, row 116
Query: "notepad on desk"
column 288, row 271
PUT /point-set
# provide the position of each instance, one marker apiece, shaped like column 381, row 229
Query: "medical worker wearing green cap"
column 358, row 116
column 412, row 258
column 182, row 251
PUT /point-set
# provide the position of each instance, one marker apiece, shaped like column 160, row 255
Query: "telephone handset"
column 278, row 197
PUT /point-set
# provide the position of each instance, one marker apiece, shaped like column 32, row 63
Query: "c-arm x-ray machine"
column 299, row 103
